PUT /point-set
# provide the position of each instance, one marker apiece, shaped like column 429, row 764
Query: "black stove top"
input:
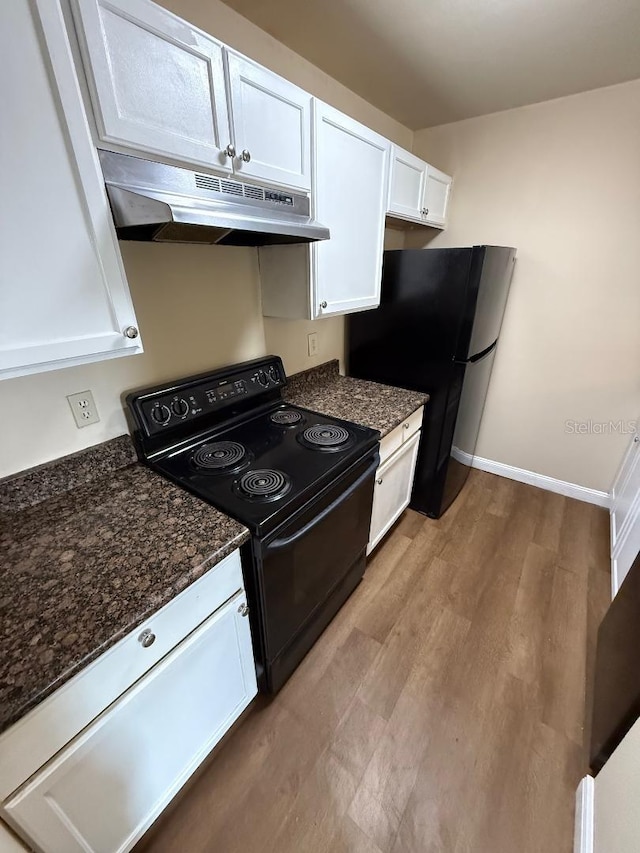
column 231, row 440
column 259, row 471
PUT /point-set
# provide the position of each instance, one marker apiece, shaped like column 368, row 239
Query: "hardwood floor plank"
column 410, row 524
column 349, row 838
column 357, row 736
column 383, row 793
column 527, row 631
column 564, row 669
column 380, row 616
column 549, row 526
column 388, row 674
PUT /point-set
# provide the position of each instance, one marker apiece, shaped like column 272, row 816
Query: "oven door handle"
column 278, row 544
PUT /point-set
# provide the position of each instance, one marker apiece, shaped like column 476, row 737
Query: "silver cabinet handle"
column 406, row 426
column 243, row 610
column 379, row 481
column 147, row 638
column 323, row 304
column 131, row 332
column 426, row 211
column 230, row 150
column 246, row 156
column 636, row 439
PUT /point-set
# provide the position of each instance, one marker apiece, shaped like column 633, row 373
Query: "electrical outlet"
column 83, row 408
column 313, row 343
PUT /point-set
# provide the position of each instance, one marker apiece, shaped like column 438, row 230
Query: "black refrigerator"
column 437, row 330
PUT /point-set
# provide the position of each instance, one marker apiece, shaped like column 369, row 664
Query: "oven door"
column 309, row 566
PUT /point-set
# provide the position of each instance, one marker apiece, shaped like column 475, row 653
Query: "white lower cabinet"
column 394, row 477
column 107, row 786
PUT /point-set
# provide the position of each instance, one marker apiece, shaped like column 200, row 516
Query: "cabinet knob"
column 406, row 426
column 636, row 439
column 243, row 610
column 246, row 156
column 379, row 481
column 426, row 211
column 230, row 150
column 147, row 638
column 131, row 332
column 323, row 304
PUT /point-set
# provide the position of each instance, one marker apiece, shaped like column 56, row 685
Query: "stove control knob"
column 263, row 379
column 161, row 414
column 180, row 408
column 274, row 374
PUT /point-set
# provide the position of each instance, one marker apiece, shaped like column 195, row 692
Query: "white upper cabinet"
column 157, row 83
column 349, row 196
column 406, row 187
column 158, row 86
column 271, row 121
column 417, row 191
column 64, row 298
column 436, row 197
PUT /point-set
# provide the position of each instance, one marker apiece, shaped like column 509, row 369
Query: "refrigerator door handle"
column 479, row 355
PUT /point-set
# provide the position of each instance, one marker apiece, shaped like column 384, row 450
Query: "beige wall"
column 198, row 307
column 561, row 182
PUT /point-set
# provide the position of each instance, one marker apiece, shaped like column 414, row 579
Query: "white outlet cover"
column 312, row 339
column 83, row 408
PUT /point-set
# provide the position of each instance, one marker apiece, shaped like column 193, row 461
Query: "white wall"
column 560, row 181
column 616, row 799
column 198, row 307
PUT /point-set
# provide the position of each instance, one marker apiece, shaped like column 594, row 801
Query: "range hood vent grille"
column 217, row 185
column 208, row 182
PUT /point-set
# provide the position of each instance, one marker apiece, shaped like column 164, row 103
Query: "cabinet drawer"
column 394, row 481
column 108, row 785
column 31, row 742
column 403, row 432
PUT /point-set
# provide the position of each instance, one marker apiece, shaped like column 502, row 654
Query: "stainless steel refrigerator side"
column 493, row 291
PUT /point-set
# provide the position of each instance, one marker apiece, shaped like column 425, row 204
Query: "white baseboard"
column 561, row 487
column 583, row 828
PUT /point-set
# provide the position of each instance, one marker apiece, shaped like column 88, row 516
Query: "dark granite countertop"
column 82, row 567
column 324, row 390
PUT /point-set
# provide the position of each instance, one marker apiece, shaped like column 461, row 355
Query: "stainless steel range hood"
column 156, row 202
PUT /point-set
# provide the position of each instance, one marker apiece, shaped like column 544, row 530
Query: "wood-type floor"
column 442, row 711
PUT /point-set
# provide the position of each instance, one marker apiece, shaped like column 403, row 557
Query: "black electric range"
column 301, row 482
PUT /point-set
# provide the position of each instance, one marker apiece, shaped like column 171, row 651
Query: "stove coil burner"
column 326, row 436
column 219, row 455
column 286, row 417
column 264, row 484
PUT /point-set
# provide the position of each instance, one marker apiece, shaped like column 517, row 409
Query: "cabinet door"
column 392, row 492
column 407, row 185
column 271, row 121
column 625, row 514
column 436, row 197
column 157, row 83
column 350, row 187
column 104, row 790
column 64, row 297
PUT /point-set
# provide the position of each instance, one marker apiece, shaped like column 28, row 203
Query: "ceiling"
column 428, row 62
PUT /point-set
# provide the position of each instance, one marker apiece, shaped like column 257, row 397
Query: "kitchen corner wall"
column 198, row 307
column 560, row 181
